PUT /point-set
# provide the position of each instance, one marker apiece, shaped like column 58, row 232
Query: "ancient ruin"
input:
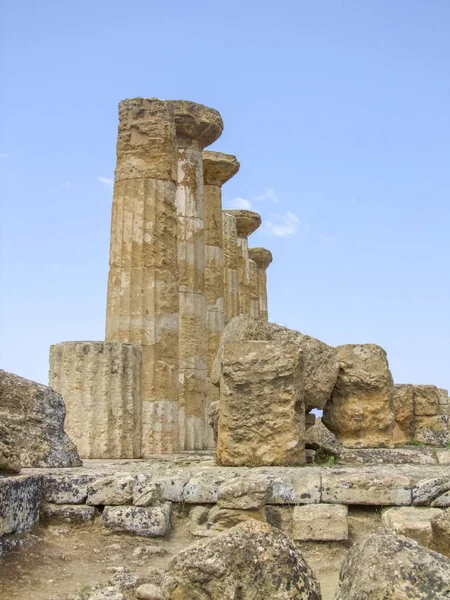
column 198, row 420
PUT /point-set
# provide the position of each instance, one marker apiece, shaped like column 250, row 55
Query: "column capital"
column 247, row 221
column 196, row 122
column 261, row 256
column 218, row 167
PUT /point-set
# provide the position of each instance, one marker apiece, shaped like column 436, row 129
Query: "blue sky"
column 337, row 110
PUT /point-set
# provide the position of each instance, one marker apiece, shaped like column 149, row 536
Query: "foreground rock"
column 440, row 526
column 137, row 520
column 319, row 437
column 387, row 566
column 9, row 456
column 252, row 560
column 359, row 411
column 262, row 412
column 410, row 521
column 34, row 416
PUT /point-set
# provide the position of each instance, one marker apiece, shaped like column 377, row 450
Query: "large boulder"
column 251, row 560
column 261, row 410
column 319, row 437
column 360, row 411
column 388, row 566
column 320, row 361
column 34, row 415
column 440, row 527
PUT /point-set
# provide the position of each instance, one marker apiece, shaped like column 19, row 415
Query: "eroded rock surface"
column 395, row 567
column 34, row 416
column 251, row 560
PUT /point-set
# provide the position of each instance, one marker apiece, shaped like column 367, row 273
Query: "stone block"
column 220, row 519
column 382, row 488
column 261, row 420
column 320, row 523
column 359, row 411
column 440, row 532
column 20, row 498
column 67, row 489
column 426, row 400
column 411, row 521
column 244, row 493
column 426, row 490
column 114, row 490
column 140, row 521
column 432, row 431
column 146, row 492
column 295, row 486
column 71, row 514
column 403, row 407
column 280, row 517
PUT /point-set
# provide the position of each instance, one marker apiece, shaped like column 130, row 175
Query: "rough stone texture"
column 320, row 523
column 20, row 498
column 427, row 490
column 72, row 514
column 148, row 591
column 213, row 419
column 440, row 527
column 197, row 126
column 247, row 222
column 243, row 493
column 113, row 490
column 142, row 306
column 220, row 518
column 100, row 384
column 262, row 258
column 141, row 521
column 426, row 400
column 442, row 501
column 320, row 361
column 444, row 403
column 9, row 454
column 432, row 431
column 218, row 168
column 254, row 309
column 319, row 437
column 388, row 566
column 107, row 593
column 381, row 488
column 403, row 408
column 411, row 522
column 261, row 412
column 252, row 560
column 359, row 411
column 386, row 456
column 230, row 275
column 33, row 414
column 67, row 489
column 146, row 492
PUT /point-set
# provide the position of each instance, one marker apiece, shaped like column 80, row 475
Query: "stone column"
column 230, row 275
column 262, row 257
column 197, row 126
column 247, row 222
column 100, row 384
column 253, row 290
column 142, row 305
column 218, row 168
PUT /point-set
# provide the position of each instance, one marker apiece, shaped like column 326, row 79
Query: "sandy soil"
column 60, row 562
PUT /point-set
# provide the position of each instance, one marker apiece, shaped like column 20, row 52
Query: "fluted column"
column 142, row 304
column 262, row 257
column 246, row 223
column 218, row 168
column 100, row 384
column 197, row 126
column 230, row 275
column 254, row 309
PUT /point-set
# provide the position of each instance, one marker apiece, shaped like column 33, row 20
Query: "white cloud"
column 285, row 226
column 241, row 203
column 107, row 182
column 4, row 155
column 68, row 184
column 268, row 194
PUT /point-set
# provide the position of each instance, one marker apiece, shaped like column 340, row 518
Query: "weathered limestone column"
column 253, row 289
column 247, row 222
column 142, row 305
column 262, row 257
column 230, row 276
column 100, row 384
column 218, row 168
column 197, row 126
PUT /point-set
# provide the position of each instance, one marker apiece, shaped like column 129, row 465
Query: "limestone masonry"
column 190, row 361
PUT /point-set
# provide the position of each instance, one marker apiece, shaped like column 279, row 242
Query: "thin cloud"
column 286, row 225
column 67, row 184
column 268, row 194
column 240, row 203
column 107, row 182
column 4, row 155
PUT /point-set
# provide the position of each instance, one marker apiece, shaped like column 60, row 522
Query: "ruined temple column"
column 142, row 306
column 254, row 310
column 262, row 257
column 218, row 168
column 197, row 126
column 247, row 222
column 230, row 274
